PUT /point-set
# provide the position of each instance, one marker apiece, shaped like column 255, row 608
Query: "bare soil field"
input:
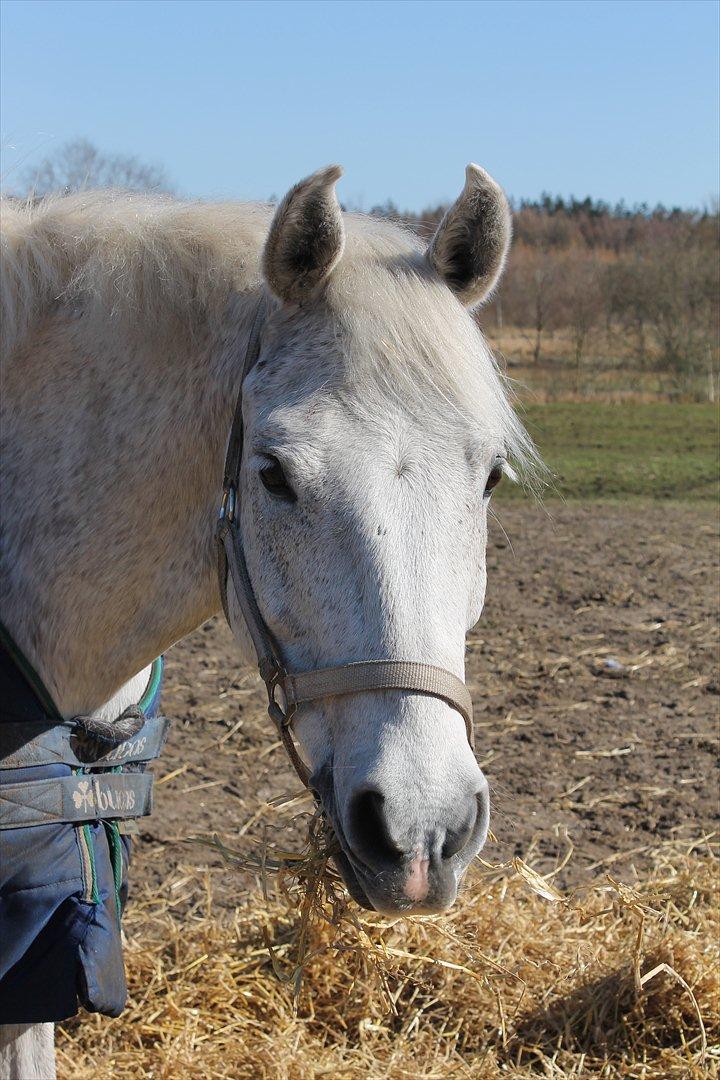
column 595, row 681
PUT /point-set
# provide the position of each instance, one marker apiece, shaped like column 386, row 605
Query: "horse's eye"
column 274, row 481
column 496, row 474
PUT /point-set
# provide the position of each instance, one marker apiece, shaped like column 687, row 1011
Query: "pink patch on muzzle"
column 417, row 884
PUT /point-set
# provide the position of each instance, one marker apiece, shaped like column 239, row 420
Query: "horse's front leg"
column 27, row 1052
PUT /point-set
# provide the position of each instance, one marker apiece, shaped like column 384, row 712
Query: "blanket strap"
column 24, row 744
column 76, row 799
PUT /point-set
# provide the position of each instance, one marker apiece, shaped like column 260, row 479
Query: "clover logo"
column 83, row 797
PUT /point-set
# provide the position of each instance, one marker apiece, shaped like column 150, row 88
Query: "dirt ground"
column 595, row 681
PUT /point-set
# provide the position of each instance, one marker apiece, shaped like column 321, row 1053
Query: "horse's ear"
column 306, row 237
column 469, row 248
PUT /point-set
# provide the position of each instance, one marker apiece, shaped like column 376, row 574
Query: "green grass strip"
column 618, row 451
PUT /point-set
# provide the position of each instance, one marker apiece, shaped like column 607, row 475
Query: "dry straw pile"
column 517, row 981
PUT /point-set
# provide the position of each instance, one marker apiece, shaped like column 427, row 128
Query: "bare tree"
column 78, row 165
column 582, row 297
column 529, row 292
column 665, row 292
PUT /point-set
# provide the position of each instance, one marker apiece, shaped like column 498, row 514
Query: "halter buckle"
column 228, row 505
column 277, row 677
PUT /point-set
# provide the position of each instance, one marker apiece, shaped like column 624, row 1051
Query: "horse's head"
column 376, row 427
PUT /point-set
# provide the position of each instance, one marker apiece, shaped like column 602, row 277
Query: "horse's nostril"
column 456, row 839
column 371, row 839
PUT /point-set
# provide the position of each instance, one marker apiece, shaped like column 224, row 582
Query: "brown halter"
column 300, row 687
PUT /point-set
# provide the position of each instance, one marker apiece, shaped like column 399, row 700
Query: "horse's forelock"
column 409, row 335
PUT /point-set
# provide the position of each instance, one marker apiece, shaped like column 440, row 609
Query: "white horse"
column 376, row 425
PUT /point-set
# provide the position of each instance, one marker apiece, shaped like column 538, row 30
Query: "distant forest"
column 590, row 283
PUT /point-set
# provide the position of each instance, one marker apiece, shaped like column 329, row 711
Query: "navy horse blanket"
column 66, row 797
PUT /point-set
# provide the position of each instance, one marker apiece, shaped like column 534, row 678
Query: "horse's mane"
column 147, row 259
column 148, row 256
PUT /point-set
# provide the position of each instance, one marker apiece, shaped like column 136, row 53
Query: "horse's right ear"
column 306, row 237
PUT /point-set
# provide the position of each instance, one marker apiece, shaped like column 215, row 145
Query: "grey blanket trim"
column 24, row 745
column 75, row 799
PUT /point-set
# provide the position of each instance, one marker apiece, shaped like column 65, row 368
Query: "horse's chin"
column 351, row 880
column 321, row 783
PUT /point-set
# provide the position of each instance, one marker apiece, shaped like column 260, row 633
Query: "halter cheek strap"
column 299, row 688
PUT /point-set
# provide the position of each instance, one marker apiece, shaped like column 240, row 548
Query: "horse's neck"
column 112, row 462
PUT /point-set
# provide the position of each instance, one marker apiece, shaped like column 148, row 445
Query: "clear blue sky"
column 617, row 99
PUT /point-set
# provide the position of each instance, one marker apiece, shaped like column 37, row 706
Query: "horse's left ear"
column 306, row 237
column 471, row 243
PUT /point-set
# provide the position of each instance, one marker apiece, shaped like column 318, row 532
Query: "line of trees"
column 614, row 284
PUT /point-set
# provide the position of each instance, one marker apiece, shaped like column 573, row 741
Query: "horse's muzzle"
column 420, row 876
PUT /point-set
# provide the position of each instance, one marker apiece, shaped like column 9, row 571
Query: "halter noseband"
column 300, row 687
